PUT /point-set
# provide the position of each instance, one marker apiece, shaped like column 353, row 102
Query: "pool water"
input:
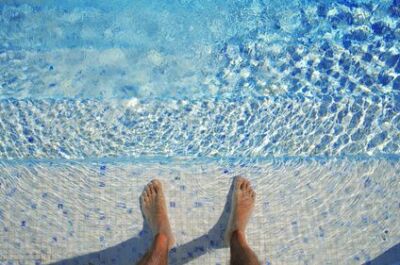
column 99, row 97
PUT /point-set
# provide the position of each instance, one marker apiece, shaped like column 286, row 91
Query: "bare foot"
column 154, row 209
column 243, row 198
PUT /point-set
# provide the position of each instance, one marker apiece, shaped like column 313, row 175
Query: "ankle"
column 238, row 237
column 161, row 241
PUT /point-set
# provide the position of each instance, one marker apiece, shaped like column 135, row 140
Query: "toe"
column 144, row 194
column 148, row 190
column 246, row 185
column 249, row 187
column 143, row 197
column 239, row 182
column 151, row 189
column 156, row 185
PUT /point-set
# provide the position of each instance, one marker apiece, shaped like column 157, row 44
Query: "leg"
column 155, row 212
column 242, row 205
column 158, row 254
column 241, row 253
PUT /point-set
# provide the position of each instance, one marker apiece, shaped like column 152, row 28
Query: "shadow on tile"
column 389, row 257
column 129, row 252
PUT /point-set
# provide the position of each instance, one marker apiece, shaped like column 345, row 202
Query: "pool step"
column 246, row 128
column 88, row 213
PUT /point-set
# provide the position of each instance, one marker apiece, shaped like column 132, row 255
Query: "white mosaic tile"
column 307, row 212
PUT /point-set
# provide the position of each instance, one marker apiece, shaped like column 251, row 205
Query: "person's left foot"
column 155, row 210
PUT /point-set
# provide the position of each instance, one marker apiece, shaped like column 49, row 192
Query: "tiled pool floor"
column 337, row 211
column 271, row 79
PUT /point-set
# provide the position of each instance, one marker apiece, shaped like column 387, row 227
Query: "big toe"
column 240, row 182
column 156, row 185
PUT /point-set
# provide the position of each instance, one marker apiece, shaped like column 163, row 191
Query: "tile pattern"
column 271, row 79
column 307, row 212
column 241, row 48
column 241, row 128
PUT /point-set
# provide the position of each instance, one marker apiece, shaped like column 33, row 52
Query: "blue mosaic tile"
column 301, row 97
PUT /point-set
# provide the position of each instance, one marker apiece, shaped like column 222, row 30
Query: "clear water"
column 98, row 97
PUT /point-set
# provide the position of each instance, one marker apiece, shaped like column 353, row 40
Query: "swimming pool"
column 99, row 97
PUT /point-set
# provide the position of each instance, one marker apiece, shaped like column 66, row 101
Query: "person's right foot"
column 155, row 210
column 243, row 198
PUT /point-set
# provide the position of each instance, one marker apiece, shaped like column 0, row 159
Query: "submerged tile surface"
column 307, row 211
column 96, row 79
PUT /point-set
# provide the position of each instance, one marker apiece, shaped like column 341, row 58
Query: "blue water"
column 198, row 49
column 229, row 85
